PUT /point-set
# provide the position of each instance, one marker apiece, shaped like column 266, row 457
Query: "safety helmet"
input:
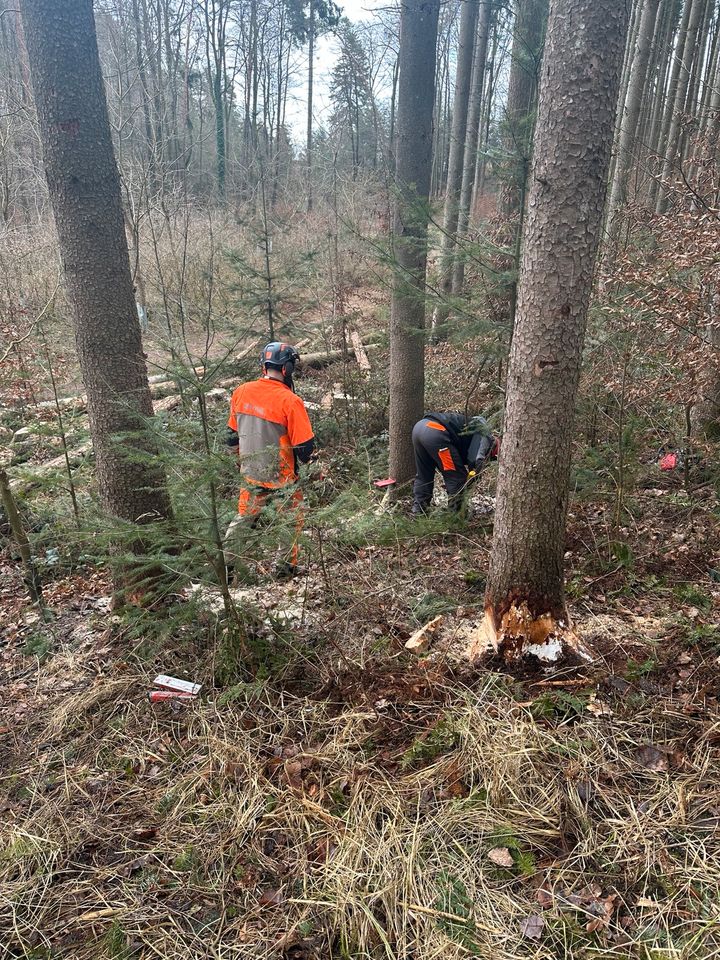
column 279, row 356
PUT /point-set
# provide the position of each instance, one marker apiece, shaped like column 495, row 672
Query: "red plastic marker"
column 389, row 482
column 156, row 696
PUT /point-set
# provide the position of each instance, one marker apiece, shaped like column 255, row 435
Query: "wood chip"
column 420, row 640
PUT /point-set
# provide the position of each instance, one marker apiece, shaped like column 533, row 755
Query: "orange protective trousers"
column 254, row 497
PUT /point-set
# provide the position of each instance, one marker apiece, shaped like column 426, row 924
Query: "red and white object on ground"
column 178, row 686
column 388, row 482
column 669, row 461
column 157, row 696
column 171, row 688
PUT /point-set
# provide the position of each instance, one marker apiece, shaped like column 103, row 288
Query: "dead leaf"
column 532, row 927
column 544, row 897
column 293, row 771
column 271, row 898
column 598, row 708
column 501, row 856
column 652, row 759
column 128, row 869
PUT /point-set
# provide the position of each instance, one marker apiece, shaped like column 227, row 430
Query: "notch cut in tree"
column 525, row 612
column 84, row 188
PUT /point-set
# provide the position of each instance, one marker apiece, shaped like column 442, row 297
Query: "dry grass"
column 358, row 824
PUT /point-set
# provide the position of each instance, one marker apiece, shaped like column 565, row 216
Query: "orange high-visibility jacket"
column 270, row 420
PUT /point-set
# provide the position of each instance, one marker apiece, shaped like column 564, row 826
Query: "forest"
column 359, row 480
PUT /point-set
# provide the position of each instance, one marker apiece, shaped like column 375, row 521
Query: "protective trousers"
column 253, row 498
column 434, row 450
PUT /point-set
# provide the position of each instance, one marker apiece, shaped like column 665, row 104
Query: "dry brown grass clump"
column 402, row 815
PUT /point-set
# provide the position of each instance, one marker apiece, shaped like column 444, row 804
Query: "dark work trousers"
column 434, row 450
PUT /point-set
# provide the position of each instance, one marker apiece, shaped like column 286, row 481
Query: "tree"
column 687, row 37
column 416, row 96
column 352, row 99
column 487, row 12
column 84, row 191
column 463, row 77
column 310, row 19
column 525, row 609
column 630, row 118
column 530, row 19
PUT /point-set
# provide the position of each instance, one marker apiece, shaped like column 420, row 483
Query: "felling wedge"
column 520, row 636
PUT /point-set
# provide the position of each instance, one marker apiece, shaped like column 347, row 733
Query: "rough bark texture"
column 416, row 96
column 463, row 77
column 527, row 49
column 525, row 607
column 84, row 190
column 473, row 131
column 627, row 141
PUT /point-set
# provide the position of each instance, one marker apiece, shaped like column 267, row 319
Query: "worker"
column 455, row 446
column 271, row 430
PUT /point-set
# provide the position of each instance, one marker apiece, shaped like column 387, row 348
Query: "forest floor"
column 330, row 795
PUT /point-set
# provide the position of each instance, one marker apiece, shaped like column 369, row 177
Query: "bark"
column 524, row 602
column 32, row 577
column 84, row 189
column 706, row 410
column 676, row 104
column 659, row 69
column 484, row 135
column 416, row 95
column 661, row 93
column 518, row 125
column 463, row 77
column 471, row 144
column 699, row 58
column 626, row 153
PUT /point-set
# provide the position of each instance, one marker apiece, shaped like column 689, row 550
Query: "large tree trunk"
column 627, row 141
column 84, row 190
column 518, row 124
column 463, row 76
column 473, row 130
column 525, row 610
column 416, row 96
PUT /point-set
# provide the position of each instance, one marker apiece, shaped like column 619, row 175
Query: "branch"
column 35, row 322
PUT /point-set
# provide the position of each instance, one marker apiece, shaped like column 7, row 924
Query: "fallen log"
column 360, row 352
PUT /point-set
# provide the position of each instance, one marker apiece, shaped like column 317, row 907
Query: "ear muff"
column 289, row 368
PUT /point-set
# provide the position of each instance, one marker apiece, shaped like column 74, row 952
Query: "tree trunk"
column 84, row 191
column 518, row 125
column 676, row 105
column 525, row 610
column 416, row 96
column 627, row 142
column 311, row 59
column 463, row 76
column 706, row 411
column 484, row 136
column 471, row 143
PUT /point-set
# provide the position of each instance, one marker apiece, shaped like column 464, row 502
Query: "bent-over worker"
column 271, row 429
column 458, row 448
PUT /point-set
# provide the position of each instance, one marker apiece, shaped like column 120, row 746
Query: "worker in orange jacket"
column 271, row 430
